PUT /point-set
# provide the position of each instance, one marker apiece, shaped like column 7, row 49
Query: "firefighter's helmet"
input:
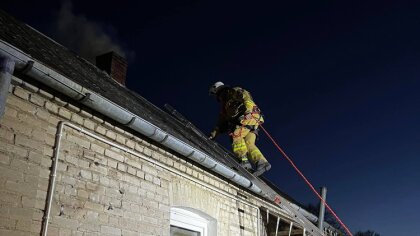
column 216, row 88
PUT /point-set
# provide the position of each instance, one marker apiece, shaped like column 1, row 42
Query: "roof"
column 81, row 71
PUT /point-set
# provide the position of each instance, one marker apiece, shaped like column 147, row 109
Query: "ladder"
column 228, row 159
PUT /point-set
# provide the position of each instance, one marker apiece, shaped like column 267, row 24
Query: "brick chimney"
column 114, row 64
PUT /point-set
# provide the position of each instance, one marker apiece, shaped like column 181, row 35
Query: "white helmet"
column 216, row 87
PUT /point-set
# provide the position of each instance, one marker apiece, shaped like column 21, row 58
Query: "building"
column 80, row 154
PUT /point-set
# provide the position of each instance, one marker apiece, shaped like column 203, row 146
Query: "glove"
column 213, row 134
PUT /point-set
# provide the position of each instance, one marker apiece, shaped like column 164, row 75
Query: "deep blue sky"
column 338, row 82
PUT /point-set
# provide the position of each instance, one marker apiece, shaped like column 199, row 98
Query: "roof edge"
column 97, row 102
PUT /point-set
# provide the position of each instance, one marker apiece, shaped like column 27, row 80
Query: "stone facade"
column 125, row 187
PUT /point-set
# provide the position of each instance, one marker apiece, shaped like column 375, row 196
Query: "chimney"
column 114, row 64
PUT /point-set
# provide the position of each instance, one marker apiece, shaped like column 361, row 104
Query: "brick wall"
column 100, row 189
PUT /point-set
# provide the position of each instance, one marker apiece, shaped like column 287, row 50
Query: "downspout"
column 53, row 174
column 6, row 70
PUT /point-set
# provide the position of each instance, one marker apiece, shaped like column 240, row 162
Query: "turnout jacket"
column 237, row 109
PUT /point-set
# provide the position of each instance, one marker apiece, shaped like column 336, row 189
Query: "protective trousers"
column 243, row 145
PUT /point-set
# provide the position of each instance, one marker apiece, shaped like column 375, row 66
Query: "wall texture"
column 101, row 189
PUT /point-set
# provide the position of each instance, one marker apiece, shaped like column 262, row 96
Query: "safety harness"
column 249, row 116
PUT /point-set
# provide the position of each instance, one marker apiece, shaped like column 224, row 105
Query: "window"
column 178, row 231
column 191, row 222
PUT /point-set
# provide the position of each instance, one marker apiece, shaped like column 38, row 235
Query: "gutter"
column 58, row 82
column 45, row 75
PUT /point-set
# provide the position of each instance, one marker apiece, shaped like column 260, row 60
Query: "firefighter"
column 240, row 117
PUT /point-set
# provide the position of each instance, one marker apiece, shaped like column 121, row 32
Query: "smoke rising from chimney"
column 87, row 38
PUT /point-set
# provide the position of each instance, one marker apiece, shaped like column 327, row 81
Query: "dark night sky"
column 337, row 81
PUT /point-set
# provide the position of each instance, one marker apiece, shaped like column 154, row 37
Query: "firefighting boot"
column 262, row 167
column 245, row 164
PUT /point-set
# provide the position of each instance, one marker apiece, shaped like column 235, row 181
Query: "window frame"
column 189, row 220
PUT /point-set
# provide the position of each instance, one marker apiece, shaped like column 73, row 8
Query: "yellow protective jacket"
column 237, row 109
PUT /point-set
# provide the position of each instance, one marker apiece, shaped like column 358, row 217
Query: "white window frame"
column 189, row 220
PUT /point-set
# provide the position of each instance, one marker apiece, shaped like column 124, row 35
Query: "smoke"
column 89, row 39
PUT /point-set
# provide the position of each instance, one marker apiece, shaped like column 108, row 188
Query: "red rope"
column 307, row 181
